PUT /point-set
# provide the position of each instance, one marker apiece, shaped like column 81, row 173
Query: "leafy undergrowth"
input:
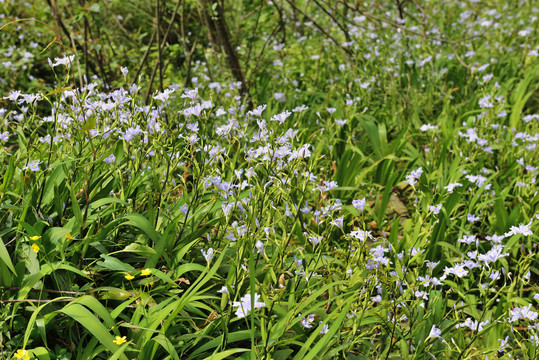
column 378, row 200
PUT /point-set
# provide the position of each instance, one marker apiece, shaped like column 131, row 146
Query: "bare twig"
column 282, row 23
column 250, row 13
column 11, row 241
column 99, row 56
column 68, row 34
column 56, row 16
column 158, row 32
column 171, row 22
column 397, row 26
column 161, row 45
column 246, row 64
column 144, row 57
column 344, row 31
column 81, row 83
column 85, row 46
column 259, row 56
column 189, row 61
column 451, row 43
column 348, row 51
column 455, row 52
column 118, row 23
column 219, row 25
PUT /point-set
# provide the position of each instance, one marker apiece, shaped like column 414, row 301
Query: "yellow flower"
column 35, row 238
column 35, row 248
column 22, row 354
column 129, row 277
column 146, row 272
column 69, row 236
column 119, row 340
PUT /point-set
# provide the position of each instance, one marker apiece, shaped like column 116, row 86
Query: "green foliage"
column 210, row 220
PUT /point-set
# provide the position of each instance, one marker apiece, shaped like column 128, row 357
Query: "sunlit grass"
column 376, row 206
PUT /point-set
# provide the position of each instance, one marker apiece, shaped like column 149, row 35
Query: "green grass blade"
column 84, row 317
column 4, row 256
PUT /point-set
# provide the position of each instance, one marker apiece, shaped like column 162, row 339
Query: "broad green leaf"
column 4, row 257
column 90, row 123
column 41, row 353
column 84, row 317
column 92, row 303
column 55, row 179
column 225, row 354
column 118, row 353
column 167, row 345
column 114, row 264
column 138, row 249
column 143, row 224
column 33, row 318
column 75, row 207
column 320, row 347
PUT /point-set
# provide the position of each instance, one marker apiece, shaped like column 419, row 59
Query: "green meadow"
column 285, row 179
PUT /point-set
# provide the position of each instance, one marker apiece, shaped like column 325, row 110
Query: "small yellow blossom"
column 22, row 354
column 119, row 340
column 35, row 238
column 35, row 248
column 129, row 277
column 69, row 236
column 146, row 272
